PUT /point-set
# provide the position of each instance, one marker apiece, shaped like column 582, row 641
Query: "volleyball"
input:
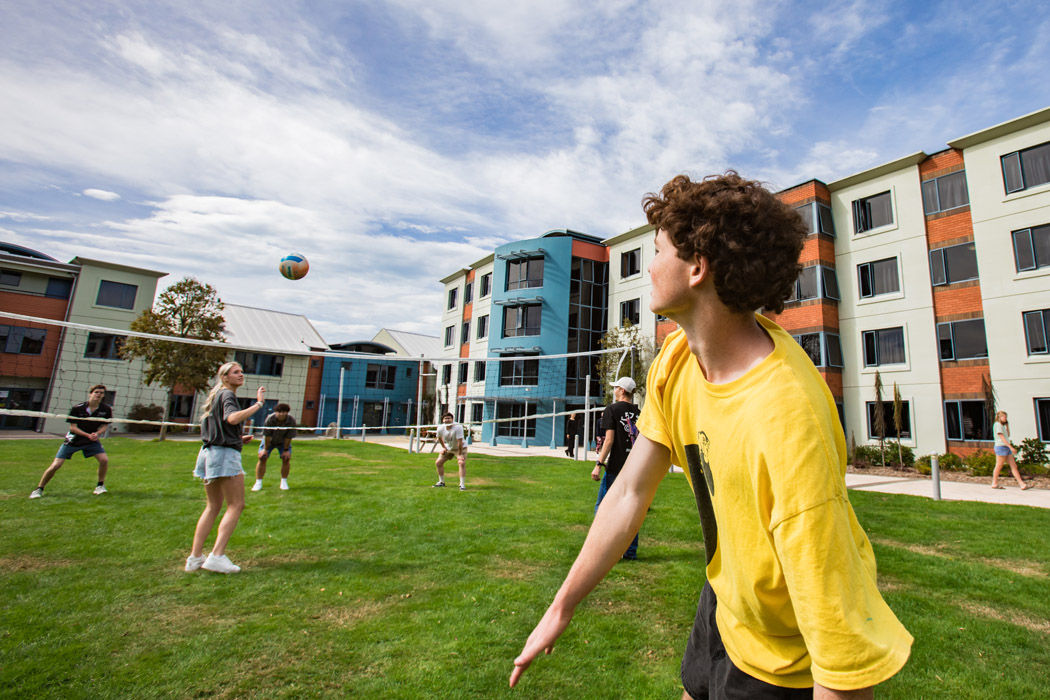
column 294, row 266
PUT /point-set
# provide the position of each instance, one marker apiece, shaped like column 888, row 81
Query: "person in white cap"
column 618, row 427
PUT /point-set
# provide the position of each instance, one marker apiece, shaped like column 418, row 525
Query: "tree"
column 898, row 422
column 635, row 365
column 880, row 417
column 186, row 309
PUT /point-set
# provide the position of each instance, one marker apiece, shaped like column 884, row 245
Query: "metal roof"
column 413, row 344
column 270, row 330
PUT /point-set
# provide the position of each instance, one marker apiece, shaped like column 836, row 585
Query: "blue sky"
column 394, row 142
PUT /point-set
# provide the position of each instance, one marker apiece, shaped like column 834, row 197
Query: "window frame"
column 876, row 334
column 862, row 215
column 486, row 285
column 249, row 362
column 985, row 424
column 821, row 276
column 869, row 268
column 941, row 256
column 528, row 280
column 824, row 348
column 121, row 288
column 1044, row 320
column 7, row 275
column 482, row 327
column 22, row 334
column 815, row 219
column 936, row 194
column 869, row 407
column 630, row 263
column 951, row 327
column 1030, row 235
column 450, row 336
column 1018, row 157
column 453, row 298
column 111, row 344
column 626, row 308
column 380, row 376
column 521, row 326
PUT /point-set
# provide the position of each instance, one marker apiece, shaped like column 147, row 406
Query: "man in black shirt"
column 88, row 422
column 618, row 427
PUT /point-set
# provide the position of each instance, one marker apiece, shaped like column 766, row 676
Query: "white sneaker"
column 257, row 486
column 37, row 493
column 219, row 564
column 193, row 563
column 99, row 490
column 284, row 484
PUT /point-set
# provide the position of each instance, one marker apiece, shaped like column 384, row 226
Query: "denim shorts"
column 1002, row 451
column 215, row 462
column 90, row 450
column 263, row 452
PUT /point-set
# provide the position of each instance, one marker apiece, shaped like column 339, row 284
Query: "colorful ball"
column 294, row 266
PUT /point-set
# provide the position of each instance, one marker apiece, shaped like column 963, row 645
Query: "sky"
column 394, row 142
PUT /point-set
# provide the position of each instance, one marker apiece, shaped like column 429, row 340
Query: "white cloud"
column 104, row 195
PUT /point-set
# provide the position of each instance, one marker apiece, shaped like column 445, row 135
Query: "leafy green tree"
column 186, row 309
column 635, row 365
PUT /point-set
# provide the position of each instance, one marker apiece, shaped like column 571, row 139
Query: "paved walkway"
column 909, row 485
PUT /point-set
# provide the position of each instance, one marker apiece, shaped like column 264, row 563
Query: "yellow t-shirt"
column 793, row 571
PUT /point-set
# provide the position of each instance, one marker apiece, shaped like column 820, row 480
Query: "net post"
column 339, row 406
column 935, row 475
column 586, row 417
column 495, row 416
column 554, row 422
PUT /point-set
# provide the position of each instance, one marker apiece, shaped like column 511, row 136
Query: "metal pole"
column 525, row 425
column 495, row 416
column 419, row 409
column 339, row 406
column 935, row 475
column 386, row 410
column 586, row 418
column 554, row 422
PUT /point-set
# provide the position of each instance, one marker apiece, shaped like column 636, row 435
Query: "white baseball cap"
column 625, row 383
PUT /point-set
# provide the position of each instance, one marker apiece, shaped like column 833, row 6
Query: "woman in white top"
column 1005, row 451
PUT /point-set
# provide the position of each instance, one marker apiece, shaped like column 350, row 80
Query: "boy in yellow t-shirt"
column 790, row 607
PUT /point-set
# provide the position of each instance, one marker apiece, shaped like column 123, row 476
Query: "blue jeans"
column 603, row 488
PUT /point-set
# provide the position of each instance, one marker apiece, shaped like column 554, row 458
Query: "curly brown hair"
column 751, row 239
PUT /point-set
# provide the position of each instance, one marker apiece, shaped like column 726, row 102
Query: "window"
column 468, row 293
column 464, row 369
column 116, row 294
column 1027, row 168
column 824, row 349
column 520, row 371
column 883, row 347
column 11, row 278
column 104, row 346
column 58, row 288
column 525, row 274
column 315, row 362
column 879, row 277
column 967, row 420
column 516, row 428
column 1042, row 416
column 260, row 363
column 477, row 412
column 813, row 282
column 955, row 263
column 962, row 340
column 944, row 193
column 872, row 212
column 310, row 405
column 629, row 311
column 483, row 326
column 464, row 335
column 1036, row 324
column 1032, row 247
column 453, row 296
column 887, row 413
column 450, row 336
column 486, row 285
column 479, row 372
column 180, row 406
column 521, row 320
column 380, row 376
column 446, row 374
column 461, row 413
column 817, row 218
column 19, row 340
column 408, row 371
column 630, row 263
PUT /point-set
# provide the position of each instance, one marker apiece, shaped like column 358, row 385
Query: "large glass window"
column 464, row 335
column 116, row 294
column 260, row 363
column 19, row 340
column 883, row 347
column 180, row 406
column 966, row 420
column 10, row 278
column 468, row 293
column 479, row 373
column 521, row 371
column 955, row 263
column 380, row 376
column 815, row 281
column 824, row 349
column 525, row 274
column 104, row 346
column 1042, row 416
column 878, row 277
column 483, row 326
column 1032, row 247
column 588, row 291
column 486, row 285
column 453, row 297
column 630, row 262
column 1027, row 168
column 872, row 212
column 817, row 218
column 1036, row 324
column 59, row 288
column 450, row 336
column 464, row 372
column 962, row 340
column 521, row 320
column 887, row 413
column 945, row 192
column 630, row 310
column 525, row 426
column 446, row 374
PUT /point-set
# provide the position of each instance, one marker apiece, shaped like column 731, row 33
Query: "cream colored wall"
column 480, row 348
column 919, row 377
column 1017, row 378
column 633, row 287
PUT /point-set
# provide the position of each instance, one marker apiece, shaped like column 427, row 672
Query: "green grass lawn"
column 362, row 581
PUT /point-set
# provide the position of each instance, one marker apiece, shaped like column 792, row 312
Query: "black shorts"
column 707, row 671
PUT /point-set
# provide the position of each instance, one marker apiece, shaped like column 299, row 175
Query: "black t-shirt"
column 279, row 437
column 620, row 417
column 215, row 431
column 87, row 420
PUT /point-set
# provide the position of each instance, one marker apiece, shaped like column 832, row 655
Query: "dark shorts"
column 707, row 671
column 90, row 450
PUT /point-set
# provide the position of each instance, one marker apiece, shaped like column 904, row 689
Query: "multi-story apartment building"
column 931, row 271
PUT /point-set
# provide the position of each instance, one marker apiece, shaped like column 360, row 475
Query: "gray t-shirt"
column 215, row 430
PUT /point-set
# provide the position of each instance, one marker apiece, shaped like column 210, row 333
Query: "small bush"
column 865, row 456
column 1032, row 453
column 980, row 463
column 899, row 460
column 947, row 462
column 141, row 412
